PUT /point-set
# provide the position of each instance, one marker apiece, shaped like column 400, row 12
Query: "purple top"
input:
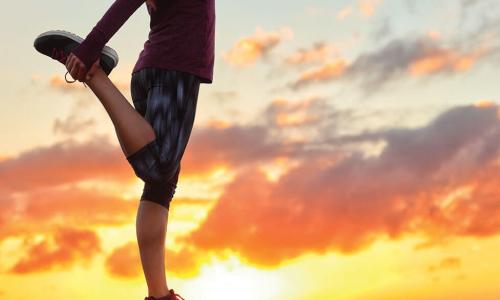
column 181, row 36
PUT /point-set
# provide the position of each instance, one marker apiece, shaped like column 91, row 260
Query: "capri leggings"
column 167, row 100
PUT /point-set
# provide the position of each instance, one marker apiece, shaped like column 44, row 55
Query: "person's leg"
column 151, row 226
column 167, row 100
column 132, row 129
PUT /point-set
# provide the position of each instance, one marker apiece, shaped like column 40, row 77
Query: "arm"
column 89, row 51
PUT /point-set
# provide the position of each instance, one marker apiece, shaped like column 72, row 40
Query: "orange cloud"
column 68, row 246
column 446, row 264
column 433, row 34
column 57, row 81
column 442, row 60
column 333, row 197
column 124, row 261
column 344, row 13
column 40, row 210
column 283, row 113
column 319, row 52
column 331, row 70
column 350, row 202
column 368, row 7
column 421, row 56
column 64, row 162
column 248, row 50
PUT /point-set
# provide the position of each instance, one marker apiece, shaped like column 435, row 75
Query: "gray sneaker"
column 58, row 44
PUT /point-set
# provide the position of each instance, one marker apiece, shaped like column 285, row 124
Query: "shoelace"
column 177, row 296
column 61, row 56
column 172, row 293
column 73, row 80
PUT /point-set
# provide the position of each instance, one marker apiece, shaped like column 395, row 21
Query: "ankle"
column 163, row 295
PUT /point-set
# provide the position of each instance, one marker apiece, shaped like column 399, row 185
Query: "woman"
column 177, row 57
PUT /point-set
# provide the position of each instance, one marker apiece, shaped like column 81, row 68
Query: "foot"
column 171, row 296
column 57, row 44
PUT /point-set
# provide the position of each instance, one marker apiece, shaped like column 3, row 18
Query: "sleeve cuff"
column 88, row 51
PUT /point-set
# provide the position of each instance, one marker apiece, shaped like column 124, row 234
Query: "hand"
column 76, row 67
column 92, row 70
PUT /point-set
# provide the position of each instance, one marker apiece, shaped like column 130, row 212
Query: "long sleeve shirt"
column 181, row 36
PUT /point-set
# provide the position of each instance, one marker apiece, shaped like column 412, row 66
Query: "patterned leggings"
column 167, row 100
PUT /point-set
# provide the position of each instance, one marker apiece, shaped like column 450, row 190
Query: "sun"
column 230, row 279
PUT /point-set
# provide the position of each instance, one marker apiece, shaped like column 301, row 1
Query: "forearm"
column 117, row 14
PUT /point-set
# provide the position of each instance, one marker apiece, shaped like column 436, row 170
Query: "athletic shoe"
column 58, row 44
column 171, row 296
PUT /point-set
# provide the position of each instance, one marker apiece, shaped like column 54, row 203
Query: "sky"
column 345, row 150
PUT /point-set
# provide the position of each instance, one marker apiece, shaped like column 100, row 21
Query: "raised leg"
column 133, row 132
column 132, row 129
column 153, row 137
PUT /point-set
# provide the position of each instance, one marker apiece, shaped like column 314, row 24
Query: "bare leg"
column 132, row 129
column 151, row 225
column 133, row 133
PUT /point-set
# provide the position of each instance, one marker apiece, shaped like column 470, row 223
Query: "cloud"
column 231, row 146
column 238, row 146
column 344, row 12
column 368, row 7
column 248, row 50
column 61, row 163
column 447, row 263
column 124, row 261
column 58, row 82
column 382, row 31
column 40, row 186
column 444, row 60
column 67, row 247
column 40, row 210
column 345, row 202
column 225, row 96
column 331, row 70
column 319, row 52
column 437, row 181
column 55, row 180
column 365, row 8
column 398, row 58
column 285, row 113
column 75, row 122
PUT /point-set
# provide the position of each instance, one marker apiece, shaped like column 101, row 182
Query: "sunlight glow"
column 230, row 279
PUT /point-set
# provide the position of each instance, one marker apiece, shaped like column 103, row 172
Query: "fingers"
column 76, row 67
column 69, row 65
column 92, row 70
column 68, row 61
column 80, row 73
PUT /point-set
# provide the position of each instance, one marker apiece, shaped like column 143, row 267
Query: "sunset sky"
column 345, row 150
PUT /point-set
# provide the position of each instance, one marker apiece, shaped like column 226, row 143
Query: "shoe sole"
column 109, row 57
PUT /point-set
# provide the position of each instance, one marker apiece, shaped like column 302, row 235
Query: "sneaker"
column 58, row 44
column 171, row 296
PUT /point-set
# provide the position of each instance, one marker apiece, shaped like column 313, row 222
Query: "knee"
column 160, row 193
column 148, row 165
column 145, row 163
